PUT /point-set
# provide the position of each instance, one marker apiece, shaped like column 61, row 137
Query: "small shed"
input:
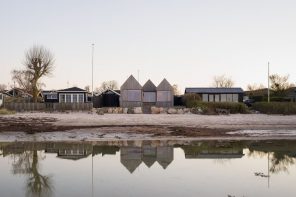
column 218, row 94
column 165, row 94
column 108, row 98
column 131, row 93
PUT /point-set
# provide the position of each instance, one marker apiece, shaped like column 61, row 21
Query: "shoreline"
column 92, row 127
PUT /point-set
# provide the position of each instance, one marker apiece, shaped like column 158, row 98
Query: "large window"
column 62, row 98
column 205, row 97
column 149, row 97
column 132, row 95
column 75, row 99
column 164, row 96
column 81, row 98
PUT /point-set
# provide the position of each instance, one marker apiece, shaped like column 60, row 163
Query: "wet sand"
column 88, row 126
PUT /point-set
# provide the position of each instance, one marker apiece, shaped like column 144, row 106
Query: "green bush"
column 4, row 111
column 286, row 108
column 190, row 99
column 211, row 107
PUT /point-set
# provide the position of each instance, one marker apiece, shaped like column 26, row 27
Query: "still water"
column 148, row 168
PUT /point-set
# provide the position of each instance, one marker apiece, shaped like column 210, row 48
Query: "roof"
column 214, row 90
column 131, row 84
column 149, row 86
column 73, row 89
column 117, row 92
column 164, row 86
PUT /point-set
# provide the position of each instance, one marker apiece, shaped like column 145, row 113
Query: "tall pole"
column 92, row 69
column 138, row 75
column 268, row 91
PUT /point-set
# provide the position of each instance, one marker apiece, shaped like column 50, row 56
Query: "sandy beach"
column 90, row 126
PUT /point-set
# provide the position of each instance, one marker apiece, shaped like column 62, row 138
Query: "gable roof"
column 214, row 90
column 164, row 86
column 149, row 86
column 73, row 89
column 131, row 84
column 117, row 92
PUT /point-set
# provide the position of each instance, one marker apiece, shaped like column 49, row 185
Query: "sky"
column 187, row 42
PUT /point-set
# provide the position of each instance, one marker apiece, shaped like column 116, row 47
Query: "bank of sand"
column 90, row 126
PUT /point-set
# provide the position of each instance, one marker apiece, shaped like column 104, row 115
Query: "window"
column 229, row 97
column 211, row 98
column 217, row 97
column 134, row 95
column 235, row 97
column 68, row 98
column 1, row 96
column 75, row 98
column 149, row 97
column 223, row 97
column 164, row 96
column 62, row 98
column 81, row 98
column 205, row 97
column 52, row 96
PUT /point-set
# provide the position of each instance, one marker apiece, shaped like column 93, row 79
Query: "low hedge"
column 211, row 107
column 286, row 108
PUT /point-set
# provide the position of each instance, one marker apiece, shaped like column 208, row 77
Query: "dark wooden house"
column 218, row 94
column 108, row 98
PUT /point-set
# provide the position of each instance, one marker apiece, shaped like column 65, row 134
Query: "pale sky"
column 187, row 42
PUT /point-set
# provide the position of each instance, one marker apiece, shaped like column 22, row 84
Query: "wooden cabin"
column 107, row 98
column 165, row 94
column 149, row 96
column 131, row 93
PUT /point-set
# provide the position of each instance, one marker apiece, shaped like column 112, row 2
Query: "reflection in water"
column 26, row 163
column 26, row 156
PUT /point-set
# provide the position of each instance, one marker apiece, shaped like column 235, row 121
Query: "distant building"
column 69, row 95
column 131, row 93
column 108, row 98
column 165, row 94
column 218, row 94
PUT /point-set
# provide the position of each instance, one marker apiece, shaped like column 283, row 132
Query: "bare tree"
column 253, row 87
column 223, row 81
column 3, row 87
column 176, row 89
column 87, row 88
column 280, row 83
column 38, row 63
column 108, row 85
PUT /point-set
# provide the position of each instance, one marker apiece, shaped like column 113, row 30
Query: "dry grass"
column 4, row 111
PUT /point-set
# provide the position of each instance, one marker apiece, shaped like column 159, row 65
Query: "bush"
column 286, row 108
column 190, row 99
column 211, row 107
column 4, row 111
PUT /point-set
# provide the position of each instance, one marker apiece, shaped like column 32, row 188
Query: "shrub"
column 190, row 99
column 286, row 108
column 211, row 107
column 4, row 111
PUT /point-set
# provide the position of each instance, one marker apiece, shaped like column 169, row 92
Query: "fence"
column 19, row 107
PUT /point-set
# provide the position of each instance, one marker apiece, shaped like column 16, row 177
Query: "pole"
column 92, row 69
column 138, row 75
column 268, row 91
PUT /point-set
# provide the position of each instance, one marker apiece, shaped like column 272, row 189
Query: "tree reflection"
column 280, row 162
column 37, row 185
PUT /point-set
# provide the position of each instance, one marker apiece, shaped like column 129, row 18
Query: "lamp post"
column 92, row 69
column 268, row 91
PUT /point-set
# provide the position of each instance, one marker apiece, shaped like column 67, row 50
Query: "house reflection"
column 210, row 150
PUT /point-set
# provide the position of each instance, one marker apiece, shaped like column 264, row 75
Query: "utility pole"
column 268, row 91
column 138, row 75
column 92, row 69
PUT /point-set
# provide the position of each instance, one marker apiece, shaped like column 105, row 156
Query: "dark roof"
column 149, row 86
column 214, row 90
column 164, row 86
column 131, row 84
column 73, row 89
column 117, row 92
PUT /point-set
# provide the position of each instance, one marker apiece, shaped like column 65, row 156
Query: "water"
column 148, row 168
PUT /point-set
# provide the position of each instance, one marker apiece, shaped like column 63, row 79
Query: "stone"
column 172, row 111
column 180, row 111
column 120, row 110
column 125, row 110
column 138, row 110
column 155, row 110
column 110, row 110
column 100, row 111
